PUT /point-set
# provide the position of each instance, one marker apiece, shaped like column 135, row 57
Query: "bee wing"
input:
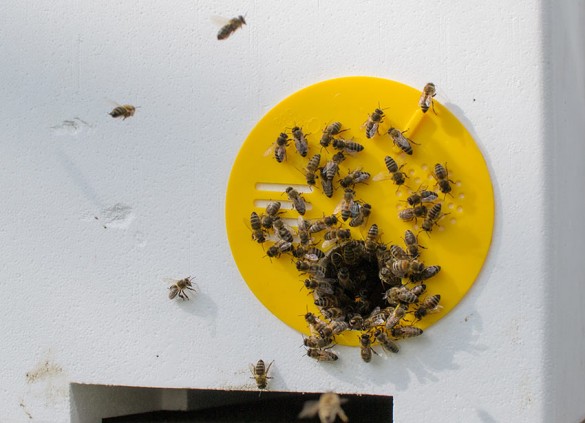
column 310, row 409
column 219, row 20
column 170, row 281
column 328, row 243
column 381, row 176
column 339, row 206
column 270, row 150
column 113, row 103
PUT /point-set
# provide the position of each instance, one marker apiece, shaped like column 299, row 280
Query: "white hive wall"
column 80, row 303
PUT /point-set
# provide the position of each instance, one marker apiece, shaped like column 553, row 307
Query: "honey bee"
column 327, row 186
column 420, row 197
column 405, row 332
column 328, row 301
column 260, row 373
column 400, row 140
column 366, row 347
column 330, row 130
column 313, row 269
column 282, row 231
column 441, row 174
column 279, row 248
column 354, row 178
column 373, row 122
column 297, row 200
column 320, row 286
column 347, row 146
column 231, row 27
column 327, row 408
column 398, row 253
column 322, row 354
column 385, row 341
column 335, row 236
column 426, row 98
column 412, row 213
column 180, row 287
column 352, row 252
column 258, row 234
column 279, row 148
column 411, row 242
column 333, row 313
column 371, row 242
column 396, row 174
column 322, row 224
column 317, row 342
column 344, row 206
column 364, row 211
column 400, row 294
column 331, row 168
column 427, row 273
column 300, row 140
column 429, row 305
column 311, row 169
column 123, row 111
column 432, row 218
column 397, row 314
column 337, row 326
column 316, row 325
column 377, row 317
column 272, row 210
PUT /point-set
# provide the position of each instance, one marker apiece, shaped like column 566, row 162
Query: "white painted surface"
column 85, row 304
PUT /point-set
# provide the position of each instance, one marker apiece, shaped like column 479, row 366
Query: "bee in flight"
column 260, row 373
column 123, row 111
column 231, row 27
column 327, row 408
column 180, row 287
column 426, row 98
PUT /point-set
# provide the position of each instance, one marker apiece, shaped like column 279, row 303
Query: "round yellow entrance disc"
column 459, row 243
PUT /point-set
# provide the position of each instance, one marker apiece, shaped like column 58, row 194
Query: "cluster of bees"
column 361, row 285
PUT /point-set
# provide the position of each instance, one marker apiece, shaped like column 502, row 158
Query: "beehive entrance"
column 459, row 241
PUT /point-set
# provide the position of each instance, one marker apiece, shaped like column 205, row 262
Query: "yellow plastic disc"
column 459, row 243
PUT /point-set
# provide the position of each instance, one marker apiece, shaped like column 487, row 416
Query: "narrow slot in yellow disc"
column 459, row 243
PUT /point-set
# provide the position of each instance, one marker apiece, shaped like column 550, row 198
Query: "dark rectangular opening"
column 215, row 406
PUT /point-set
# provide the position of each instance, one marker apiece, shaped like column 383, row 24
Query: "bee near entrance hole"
column 353, row 269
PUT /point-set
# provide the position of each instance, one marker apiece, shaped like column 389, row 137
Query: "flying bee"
column 297, row 200
column 385, row 341
column 344, row 206
column 441, row 174
column 405, row 331
column 260, row 373
column 429, row 305
column 327, row 408
column 401, row 141
column 354, row 178
column 279, row 248
column 330, row 130
column 347, row 146
column 180, row 287
column 394, row 318
column 432, row 218
column 231, row 27
column 426, row 98
column 373, row 122
column 311, row 169
column 335, row 236
column 300, row 140
column 123, row 111
column 322, row 354
column 366, row 347
column 279, row 148
column 364, row 211
column 396, row 174
column 258, row 234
